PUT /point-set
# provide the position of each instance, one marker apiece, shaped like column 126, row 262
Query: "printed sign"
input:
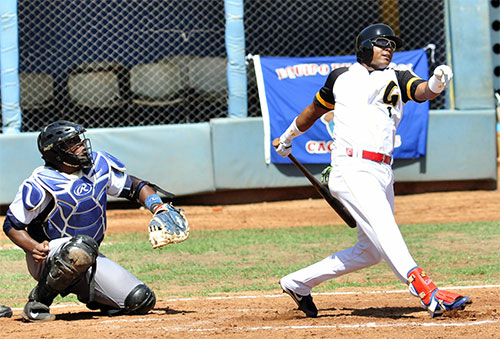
column 288, row 84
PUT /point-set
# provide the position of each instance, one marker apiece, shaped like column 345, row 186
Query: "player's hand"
column 444, row 74
column 282, row 147
column 441, row 78
column 40, row 251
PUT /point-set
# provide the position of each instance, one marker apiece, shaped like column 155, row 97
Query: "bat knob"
column 276, row 142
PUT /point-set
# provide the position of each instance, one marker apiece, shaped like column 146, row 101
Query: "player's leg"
column 300, row 283
column 68, row 261
column 117, row 291
column 365, row 188
column 361, row 255
column 374, row 212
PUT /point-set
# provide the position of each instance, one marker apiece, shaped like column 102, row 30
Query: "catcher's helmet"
column 364, row 45
column 56, row 141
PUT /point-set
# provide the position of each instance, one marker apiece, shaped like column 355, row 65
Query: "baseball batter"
column 367, row 99
column 58, row 218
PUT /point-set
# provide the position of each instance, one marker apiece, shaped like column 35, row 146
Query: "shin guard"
column 436, row 301
column 422, row 284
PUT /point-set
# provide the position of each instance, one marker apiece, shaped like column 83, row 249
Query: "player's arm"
column 299, row 125
column 136, row 189
column 29, row 208
column 423, row 92
column 127, row 186
column 16, row 232
column 168, row 224
column 323, row 102
column 437, row 83
column 309, row 116
column 419, row 90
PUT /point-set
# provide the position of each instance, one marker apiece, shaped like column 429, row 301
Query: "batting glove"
column 440, row 79
column 285, row 145
column 284, row 148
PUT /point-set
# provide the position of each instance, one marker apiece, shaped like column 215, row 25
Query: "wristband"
column 291, row 132
column 151, row 201
column 435, row 85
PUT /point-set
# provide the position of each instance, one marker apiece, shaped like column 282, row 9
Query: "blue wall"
column 229, row 154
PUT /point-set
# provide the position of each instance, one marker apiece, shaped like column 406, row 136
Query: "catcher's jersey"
column 52, row 204
column 368, row 106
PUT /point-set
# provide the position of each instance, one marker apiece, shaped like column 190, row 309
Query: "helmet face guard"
column 64, row 142
column 364, row 41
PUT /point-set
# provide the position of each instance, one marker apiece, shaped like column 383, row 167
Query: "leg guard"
column 435, row 301
column 5, row 311
column 65, row 268
column 140, row 300
column 421, row 285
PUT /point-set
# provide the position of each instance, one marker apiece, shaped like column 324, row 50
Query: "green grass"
column 217, row 262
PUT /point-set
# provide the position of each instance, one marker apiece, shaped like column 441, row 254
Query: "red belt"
column 378, row 157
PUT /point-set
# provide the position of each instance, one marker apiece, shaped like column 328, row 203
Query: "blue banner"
column 288, row 84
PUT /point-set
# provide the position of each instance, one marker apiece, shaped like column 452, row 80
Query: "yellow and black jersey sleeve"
column 325, row 98
column 408, row 82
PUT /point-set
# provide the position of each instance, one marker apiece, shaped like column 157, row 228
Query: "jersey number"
column 390, row 99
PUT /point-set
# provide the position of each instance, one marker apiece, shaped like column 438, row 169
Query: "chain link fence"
column 113, row 63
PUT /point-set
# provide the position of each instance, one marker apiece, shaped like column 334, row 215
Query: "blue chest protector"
column 79, row 204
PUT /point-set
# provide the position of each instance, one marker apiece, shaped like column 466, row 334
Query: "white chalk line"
column 338, row 326
column 283, row 295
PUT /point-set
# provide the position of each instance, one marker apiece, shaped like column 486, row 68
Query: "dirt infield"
column 361, row 314
column 355, row 313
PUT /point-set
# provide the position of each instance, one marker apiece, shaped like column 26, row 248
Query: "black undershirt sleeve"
column 408, row 83
column 324, row 98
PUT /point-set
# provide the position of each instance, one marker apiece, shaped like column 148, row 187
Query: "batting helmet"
column 364, row 45
column 56, row 140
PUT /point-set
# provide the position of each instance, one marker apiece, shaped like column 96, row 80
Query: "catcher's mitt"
column 168, row 226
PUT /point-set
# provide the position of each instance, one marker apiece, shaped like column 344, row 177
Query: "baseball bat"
column 325, row 193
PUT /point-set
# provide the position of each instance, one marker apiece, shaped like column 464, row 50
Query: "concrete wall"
column 228, row 154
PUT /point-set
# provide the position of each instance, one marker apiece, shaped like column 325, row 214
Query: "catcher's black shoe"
column 5, row 311
column 35, row 311
column 304, row 302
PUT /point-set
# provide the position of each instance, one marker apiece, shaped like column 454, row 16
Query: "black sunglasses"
column 384, row 43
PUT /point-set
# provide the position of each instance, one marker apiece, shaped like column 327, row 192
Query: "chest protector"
column 79, row 203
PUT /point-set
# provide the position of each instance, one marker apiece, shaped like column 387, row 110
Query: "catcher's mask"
column 364, row 41
column 64, row 142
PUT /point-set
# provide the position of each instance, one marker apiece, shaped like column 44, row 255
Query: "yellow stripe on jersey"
column 324, row 103
column 408, row 87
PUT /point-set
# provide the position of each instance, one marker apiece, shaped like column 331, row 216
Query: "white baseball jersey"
column 368, row 106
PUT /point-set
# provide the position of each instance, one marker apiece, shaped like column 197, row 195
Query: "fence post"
column 9, row 73
column 236, row 67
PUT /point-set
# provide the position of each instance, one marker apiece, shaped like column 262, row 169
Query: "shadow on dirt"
column 79, row 316
column 168, row 310
column 372, row 312
column 386, row 312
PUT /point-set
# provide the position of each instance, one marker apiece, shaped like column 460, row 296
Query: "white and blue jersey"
column 51, row 204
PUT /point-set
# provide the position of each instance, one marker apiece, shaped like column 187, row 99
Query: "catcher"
column 58, row 218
